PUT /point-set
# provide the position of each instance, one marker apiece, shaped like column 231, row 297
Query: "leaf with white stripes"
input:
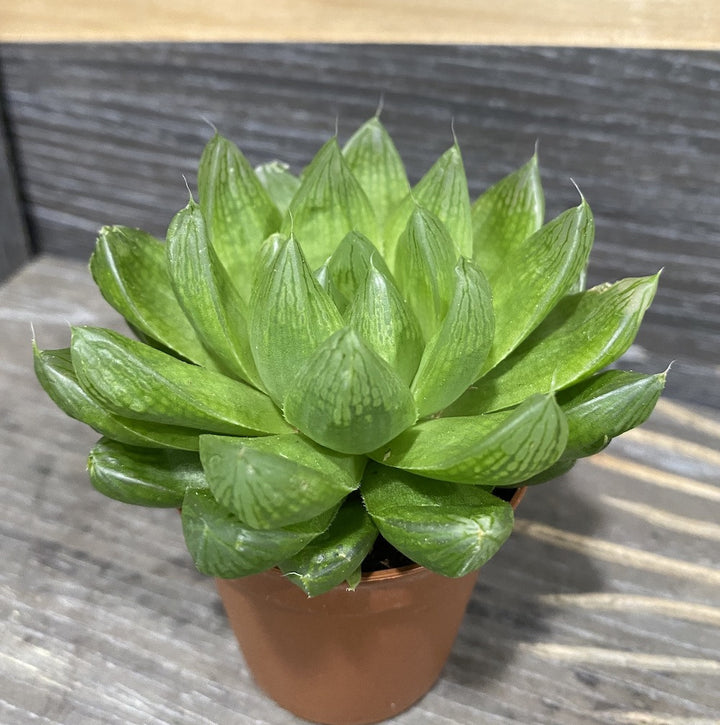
column 446, row 527
column 498, row 449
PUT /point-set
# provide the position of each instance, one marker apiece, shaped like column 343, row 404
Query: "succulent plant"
column 329, row 361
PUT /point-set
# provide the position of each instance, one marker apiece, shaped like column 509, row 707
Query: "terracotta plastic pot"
column 348, row 658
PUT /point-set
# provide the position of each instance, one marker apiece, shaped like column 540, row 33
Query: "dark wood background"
column 103, row 134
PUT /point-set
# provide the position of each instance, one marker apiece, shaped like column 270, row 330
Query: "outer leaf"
column 136, row 381
column 279, row 183
column 443, row 192
column 348, row 398
column 505, row 215
column 376, row 163
column 275, row 481
column 335, row 555
column 583, row 334
column 448, row 528
column 290, row 316
column 236, row 207
column 387, row 325
column 128, row 265
column 535, row 275
column 221, row 545
column 329, row 203
column 351, row 261
column 606, row 405
column 207, row 295
column 55, row 372
column 454, row 356
column 559, row 468
column 425, row 267
column 500, row 449
column 144, row 476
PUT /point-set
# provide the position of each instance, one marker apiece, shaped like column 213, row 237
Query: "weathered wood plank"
column 105, row 619
column 661, row 24
column 105, row 133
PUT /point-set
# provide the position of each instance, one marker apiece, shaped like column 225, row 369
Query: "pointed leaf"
column 237, row 208
column 376, row 163
column 128, row 265
column 606, row 405
column 424, row 269
column 336, row 554
column 221, row 545
column 329, row 203
column 505, row 216
column 499, row 449
column 347, row 398
column 279, row 183
column 583, row 334
column 323, row 278
column 386, row 324
column 143, row 476
column 274, row 481
column 443, row 192
column 350, row 262
column 455, row 355
column 55, row 372
column 290, row 316
column 445, row 527
column 535, row 275
column 136, row 381
column 208, row 297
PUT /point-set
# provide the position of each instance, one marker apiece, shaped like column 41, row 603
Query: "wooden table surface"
column 604, row 606
column 612, row 23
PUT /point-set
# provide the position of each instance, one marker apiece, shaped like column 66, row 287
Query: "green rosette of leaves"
column 326, row 359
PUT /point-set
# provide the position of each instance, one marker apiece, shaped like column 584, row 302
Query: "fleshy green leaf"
column 221, row 545
column 335, row 555
column 535, row 275
column 448, row 528
column 350, row 263
column 290, row 316
column 505, row 216
column 207, row 295
column 376, row 164
column 129, row 267
column 329, row 203
column 279, row 183
column 136, row 381
column 237, row 209
column 606, row 405
column 559, row 468
column 55, row 372
column 143, row 476
column 425, row 267
column 387, row 325
column 498, row 449
column 443, row 192
column 346, row 397
column 455, row 355
column 274, row 481
column 583, row 334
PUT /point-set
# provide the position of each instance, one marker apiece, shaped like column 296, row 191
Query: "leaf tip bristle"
column 380, row 106
column 210, row 123
column 577, row 188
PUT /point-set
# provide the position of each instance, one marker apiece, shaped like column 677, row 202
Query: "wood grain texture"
column 14, row 245
column 105, row 133
column 656, row 24
column 591, row 613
